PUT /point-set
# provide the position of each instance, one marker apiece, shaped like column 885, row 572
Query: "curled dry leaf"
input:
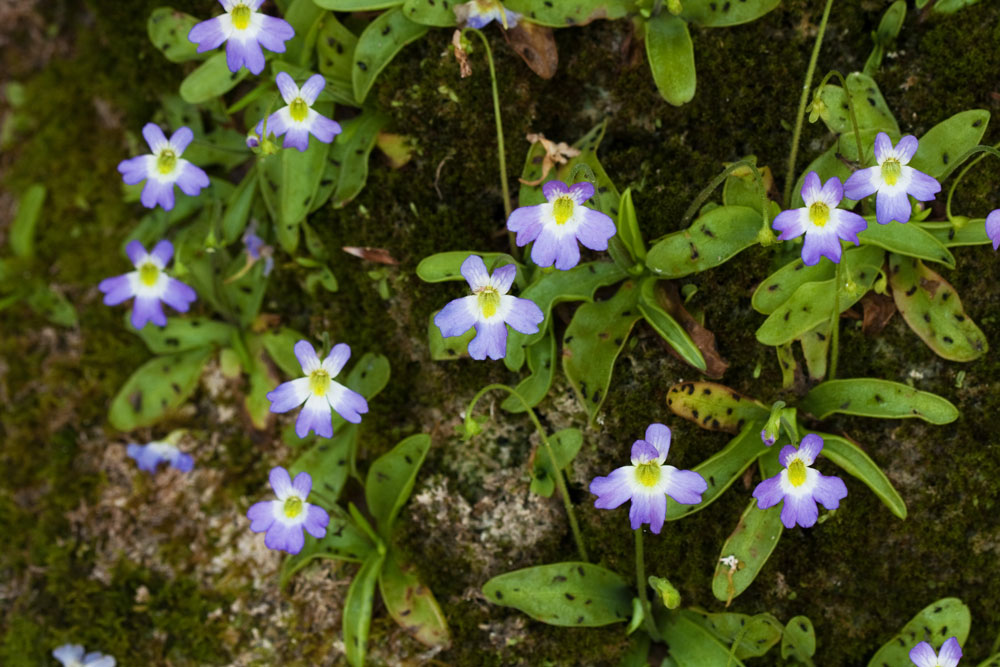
column 461, row 55
column 554, row 154
column 377, row 255
column 878, row 310
column 670, row 299
column 537, row 47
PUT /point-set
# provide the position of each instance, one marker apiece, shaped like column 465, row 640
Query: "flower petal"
column 157, row 192
column 581, row 192
column 191, row 179
column 906, row 148
column 490, row 341
column 281, row 482
column 503, row 277
column 306, row 355
column 348, row 403
column 337, row 359
column 554, row 189
column 116, row 289
column 274, row 32
column 921, row 187
column 178, row 295
column 821, row 244
column 829, row 491
column 809, row 448
column 644, row 452
column 523, row 315
column 296, row 137
column 648, row 508
column 315, row 416
column 993, row 227
column 474, row 271
column 790, row 223
column 684, row 486
column 832, row 192
column 289, row 395
column 316, row 521
column 567, row 252
column 208, row 35
column 457, row 316
column 613, row 490
column 799, row 510
column 891, row 206
column 786, row 453
column 302, row 484
column 848, row 224
column 67, row 653
column 595, row 229
column 285, row 538
column 323, row 128
column 312, row 88
column 922, row 655
column 862, row 183
column 181, row 139
column 768, row 493
column 526, row 221
column 162, row 252
column 135, row 170
column 658, row 435
column 950, row 653
column 812, row 188
column 883, row 148
column 154, row 137
column 147, row 309
column 543, row 252
column 286, row 86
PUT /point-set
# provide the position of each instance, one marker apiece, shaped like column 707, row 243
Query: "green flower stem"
column 717, row 181
column 985, row 150
column 806, row 87
column 835, row 323
column 850, row 110
column 560, row 482
column 642, row 585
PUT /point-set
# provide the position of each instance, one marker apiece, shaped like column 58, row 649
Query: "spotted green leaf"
column 437, row 13
column 157, row 388
column 211, row 79
column 932, row 308
column 335, row 47
column 948, row 617
column 541, row 362
column 855, row 462
column 563, row 13
column 970, row 232
column 262, row 379
column 713, row 14
column 778, row 287
column 815, row 345
column 184, row 333
column 906, row 239
column 753, row 636
column 714, row 406
column 378, row 44
column 351, row 150
column 671, row 57
column 942, row 145
column 411, row 604
column 711, row 240
column 358, row 608
column 22, row 229
column 567, row 594
column 870, row 109
column 343, row 541
column 798, row 640
column 390, row 480
column 168, row 31
column 52, row 305
column 883, row 399
column 444, row 266
column 565, row 445
column 691, row 643
column 665, row 325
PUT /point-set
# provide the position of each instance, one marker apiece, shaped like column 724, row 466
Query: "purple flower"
column 993, row 227
column 163, row 168
column 149, row 284
column 647, row 482
column 71, row 655
column 284, row 518
column 244, row 30
column 478, row 13
column 558, row 224
column 148, row 457
column 298, row 119
column 257, row 249
column 800, row 486
column 319, row 392
column 820, row 220
column 489, row 309
column 768, row 438
column 922, row 655
column 892, row 180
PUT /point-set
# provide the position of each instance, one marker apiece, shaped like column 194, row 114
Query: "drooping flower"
column 800, row 486
column 648, row 482
column 993, row 227
column 319, row 392
column 892, row 180
column 820, row 220
column 149, row 284
column 72, row 655
column 489, row 309
column 768, row 438
column 298, row 119
column 477, row 13
column 163, row 168
column 151, row 455
column 244, row 30
column 922, row 655
column 284, row 518
column 558, row 224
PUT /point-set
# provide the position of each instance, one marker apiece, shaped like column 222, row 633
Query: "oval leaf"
column 855, row 462
column 870, row 109
column 671, row 57
column 665, row 325
column 22, row 229
column 541, row 363
column 168, row 30
column 378, row 44
column 446, row 265
column 798, row 640
column 358, row 609
column 711, row 240
column 947, row 141
column 351, row 151
column 184, row 333
column 691, row 643
column 158, row 387
column 343, row 541
column 211, row 79
column 390, row 480
column 562, row 13
column 714, row 406
column 908, row 240
column 411, row 604
column 430, row 12
column 565, row 446
column 947, row 617
column 719, row 14
column 877, row 398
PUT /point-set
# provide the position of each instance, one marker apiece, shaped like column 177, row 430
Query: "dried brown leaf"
column 537, row 47
column 670, row 299
column 377, row 255
column 878, row 310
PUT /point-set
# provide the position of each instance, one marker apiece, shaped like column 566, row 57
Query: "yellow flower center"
column 241, row 16
column 298, row 109
column 319, row 382
column 149, row 273
column 648, row 474
column 166, row 161
column 562, row 209
column 819, row 214
column 891, row 169
column 293, row 507
column 489, row 301
column 797, row 473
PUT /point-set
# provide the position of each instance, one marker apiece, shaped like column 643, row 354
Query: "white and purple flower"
column 489, row 309
column 892, row 180
column 820, row 220
column 320, row 393
column 163, row 168
column 478, row 13
column 648, row 482
column 284, row 518
column 257, row 249
column 558, row 224
column 149, row 456
column 922, row 655
column 298, row 119
column 72, row 655
column 993, row 227
column 149, row 284
column 800, row 486
column 244, row 30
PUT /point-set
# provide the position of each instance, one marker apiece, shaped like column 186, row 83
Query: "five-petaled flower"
column 820, row 220
column 478, row 13
column 892, row 180
column 319, row 392
column 558, row 224
column 800, row 486
column 489, row 309
column 648, row 482
column 149, row 456
column 72, row 655
column 284, row 518
column 298, row 119
column 993, row 227
column 149, row 284
column 244, row 30
column 163, row 168
column 922, row 655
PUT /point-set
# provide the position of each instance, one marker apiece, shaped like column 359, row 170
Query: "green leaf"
column 943, row 144
column 628, row 227
column 714, row 406
column 262, row 381
column 541, row 363
column 562, row 13
column 351, row 151
column 992, row 661
column 411, row 604
column 711, row 240
column 444, row 266
column 855, row 462
column 211, row 79
column 378, row 44
column 343, row 541
column 741, row 188
column 168, row 30
column 932, row 308
column 390, row 480
column 665, row 325
column 430, row 12
column 691, row 643
column 951, row 6
column 971, row 232
column 184, row 333
column 752, row 542
column 720, row 14
column 798, row 640
column 565, row 445
column 723, row 468
column 304, row 17
column 356, row 5
column 22, row 229
column 335, row 47
column 328, row 462
column 280, row 346
column 906, row 239
column 753, row 635
column 885, row 35
column 671, row 57
column 592, row 342
column 815, row 346
column 778, row 287
column 877, row 398
column 358, row 608
column 238, row 206
column 448, row 349
column 870, row 109
column 52, row 305
column 947, row 617
column 829, row 164
column 158, row 387
column 567, row 594
column 245, row 294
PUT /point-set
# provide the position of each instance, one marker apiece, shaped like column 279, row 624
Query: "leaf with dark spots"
column 412, row 604
column 537, row 47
